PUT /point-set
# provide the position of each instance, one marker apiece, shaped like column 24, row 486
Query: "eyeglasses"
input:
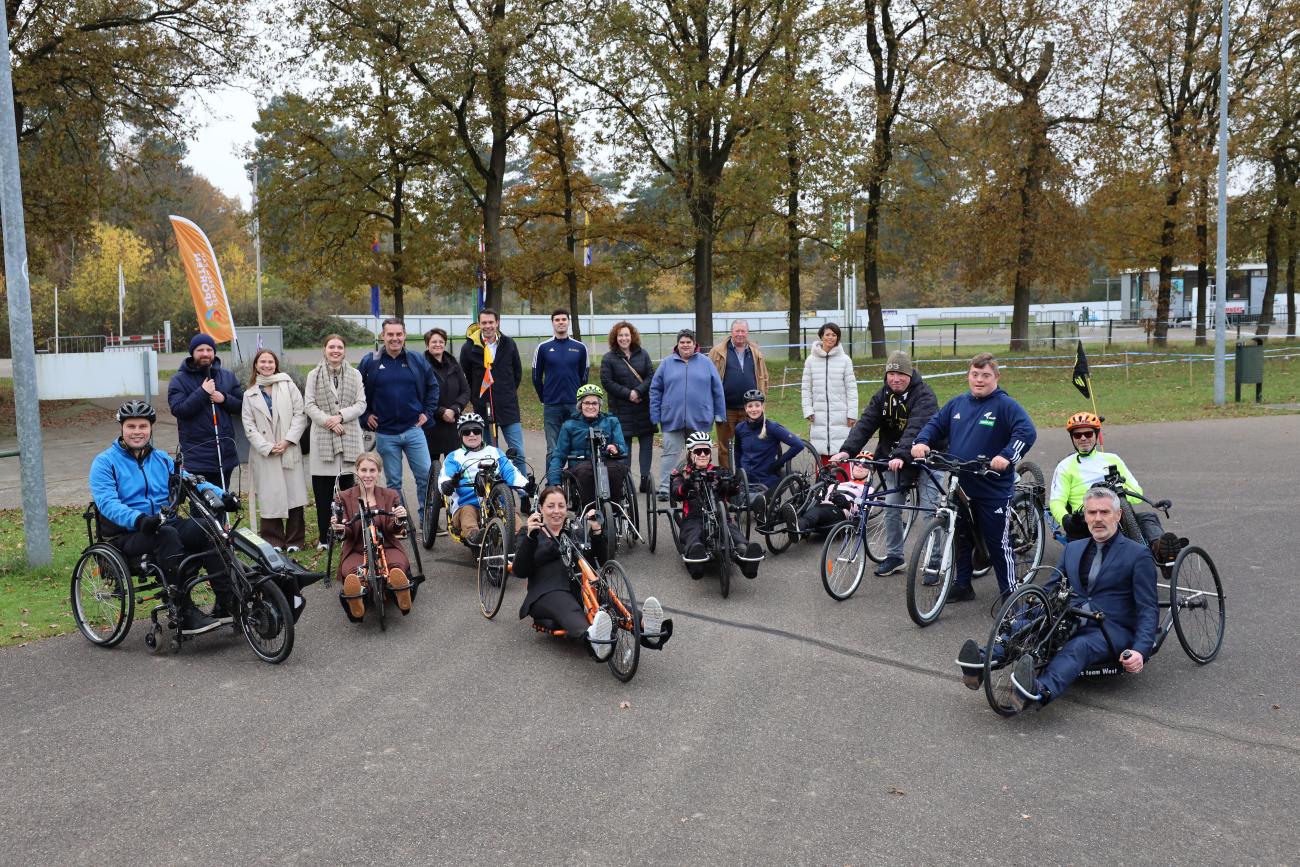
column 1083, row 434
column 701, row 451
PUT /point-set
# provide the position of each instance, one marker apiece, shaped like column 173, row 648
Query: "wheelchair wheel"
column 432, row 507
column 651, row 519
column 843, row 560
column 1021, row 627
column 723, row 545
column 502, row 498
column 267, row 622
column 1196, row 603
column 493, row 568
column 618, row 600
column 928, row 582
column 103, row 600
column 788, row 492
column 806, row 463
column 1027, row 534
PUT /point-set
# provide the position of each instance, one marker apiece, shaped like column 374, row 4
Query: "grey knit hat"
column 900, row 362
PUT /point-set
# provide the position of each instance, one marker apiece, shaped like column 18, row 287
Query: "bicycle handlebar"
column 978, row 466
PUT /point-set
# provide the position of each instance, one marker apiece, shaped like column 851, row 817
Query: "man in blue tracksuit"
column 985, row 422
column 401, row 395
column 559, row 367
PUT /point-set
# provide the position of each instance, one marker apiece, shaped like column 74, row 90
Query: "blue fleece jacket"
column 559, row 367
column 983, row 426
column 761, row 458
column 126, row 488
column 687, row 394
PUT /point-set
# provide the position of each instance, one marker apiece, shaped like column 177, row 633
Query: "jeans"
column 674, row 442
column 554, row 415
column 513, row 434
column 894, row 518
column 416, row 448
column 645, row 452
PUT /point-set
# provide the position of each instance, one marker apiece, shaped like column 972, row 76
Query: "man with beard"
column 207, row 401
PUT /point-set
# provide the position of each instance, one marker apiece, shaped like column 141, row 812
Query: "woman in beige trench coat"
column 275, row 420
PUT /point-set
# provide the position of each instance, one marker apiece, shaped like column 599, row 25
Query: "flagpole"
column 121, row 300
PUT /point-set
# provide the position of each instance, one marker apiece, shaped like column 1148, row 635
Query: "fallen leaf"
column 624, row 705
column 893, row 790
column 1277, row 707
column 1025, row 816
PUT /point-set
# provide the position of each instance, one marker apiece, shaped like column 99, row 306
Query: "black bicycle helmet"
column 755, row 394
column 136, row 409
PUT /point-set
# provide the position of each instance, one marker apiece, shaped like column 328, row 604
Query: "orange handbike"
column 374, row 570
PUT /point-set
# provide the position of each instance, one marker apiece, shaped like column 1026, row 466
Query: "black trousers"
column 563, row 610
column 820, row 517
column 322, row 488
column 586, row 476
column 173, row 541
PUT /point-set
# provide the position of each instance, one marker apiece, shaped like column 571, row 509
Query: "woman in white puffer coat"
column 830, row 391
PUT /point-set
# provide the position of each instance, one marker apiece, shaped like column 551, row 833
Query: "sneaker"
column 644, row 487
column 889, row 566
column 961, row 594
column 475, row 537
column 758, row 505
column 661, row 496
column 352, row 587
column 931, row 575
column 292, row 549
column 791, row 518
column 753, row 551
column 696, row 551
column 221, row 612
column 1025, row 686
column 401, row 587
column 971, row 661
column 1166, row 548
column 598, row 632
column 322, row 546
column 652, row 618
column 195, row 622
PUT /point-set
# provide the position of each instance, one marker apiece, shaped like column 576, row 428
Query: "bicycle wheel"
column 1196, row 603
column 267, row 622
column 102, row 598
column 741, row 504
column 875, row 533
column 502, row 498
column 1027, row 534
column 618, row 600
column 806, row 463
column 1021, row 627
column 928, row 579
column 493, row 563
column 630, row 517
column 432, row 506
column 1128, row 522
column 843, row 563
column 779, row 535
column 723, row 547
column 605, row 512
column 651, row 519
column 1029, row 473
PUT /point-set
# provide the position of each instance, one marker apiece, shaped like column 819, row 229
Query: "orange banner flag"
column 209, row 293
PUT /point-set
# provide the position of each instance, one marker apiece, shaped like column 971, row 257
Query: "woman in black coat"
column 625, row 372
column 453, row 395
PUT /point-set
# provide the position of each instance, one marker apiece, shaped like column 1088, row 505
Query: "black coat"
column 899, row 418
column 507, row 373
column 192, row 408
column 453, row 394
column 619, row 381
column 537, row 558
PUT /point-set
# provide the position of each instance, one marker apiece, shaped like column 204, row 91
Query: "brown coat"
column 718, row 355
column 353, row 552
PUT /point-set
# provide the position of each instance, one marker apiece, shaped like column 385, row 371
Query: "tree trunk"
column 570, row 226
column 499, row 111
column 1291, row 255
column 702, row 217
column 395, row 263
column 1035, row 136
column 1202, row 256
column 871, row 267
column 1272, row 240
column 1164, row 286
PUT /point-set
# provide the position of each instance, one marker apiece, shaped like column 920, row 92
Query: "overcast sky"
column 214, row 149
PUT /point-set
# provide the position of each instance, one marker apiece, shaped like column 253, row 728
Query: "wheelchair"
column 619, row 511
column 107, row 585
column 1036, row 621
column 375, row 593
column 715, row 514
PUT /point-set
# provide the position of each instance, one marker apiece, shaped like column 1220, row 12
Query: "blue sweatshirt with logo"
column 988, row 427
column 559, row 367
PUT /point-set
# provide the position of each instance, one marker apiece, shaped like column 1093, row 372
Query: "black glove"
column 1074, row 525
column 530, row 488
column 148, row 524
column 230, row 502
column 775, row 469
column 447, row 487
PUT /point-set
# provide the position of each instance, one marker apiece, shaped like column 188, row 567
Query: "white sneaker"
column 652, row 616
column 599, row 631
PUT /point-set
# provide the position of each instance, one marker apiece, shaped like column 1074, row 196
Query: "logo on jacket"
column 989, row 419
column 956, row 415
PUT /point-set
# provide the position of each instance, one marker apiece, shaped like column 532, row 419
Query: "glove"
column 530, row 488
column 148, row 524
column 775, row 468
column 230, row 502
column 1074, row 525
column 447, row 486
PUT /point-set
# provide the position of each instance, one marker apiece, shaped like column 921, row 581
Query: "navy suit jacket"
column 1125, row 589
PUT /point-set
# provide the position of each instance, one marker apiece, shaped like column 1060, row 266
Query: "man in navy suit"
column 1109, row 573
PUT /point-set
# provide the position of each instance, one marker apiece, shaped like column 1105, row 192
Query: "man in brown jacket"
column 741, row 366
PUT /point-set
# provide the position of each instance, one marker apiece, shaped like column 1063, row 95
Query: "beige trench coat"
column 279, row 482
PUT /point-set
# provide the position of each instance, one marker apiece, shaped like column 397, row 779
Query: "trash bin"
column 1250, row 367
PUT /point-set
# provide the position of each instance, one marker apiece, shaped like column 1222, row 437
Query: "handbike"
column 374, row 570
column 619, row 517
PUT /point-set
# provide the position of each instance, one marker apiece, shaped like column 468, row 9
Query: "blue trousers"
column 513, row 434
column 554, row 415
column 412, row 443
column 994, row 520
column 1087, row 647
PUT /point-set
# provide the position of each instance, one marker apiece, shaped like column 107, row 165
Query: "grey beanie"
column 900, row 362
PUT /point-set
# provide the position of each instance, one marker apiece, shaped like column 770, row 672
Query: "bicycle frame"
column 588, row 582
column 596, row 443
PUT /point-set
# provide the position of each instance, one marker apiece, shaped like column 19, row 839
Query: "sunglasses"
column 701, row 451
column 1083, row 434
column 471, row 433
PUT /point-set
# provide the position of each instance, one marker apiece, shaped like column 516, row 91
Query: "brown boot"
column 401, row 587
column 352, row 587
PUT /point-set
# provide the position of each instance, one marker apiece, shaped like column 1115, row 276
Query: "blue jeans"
column 416, row 447
column 894, row 518
column 554, row 415
column 513, row 434
column 673, row 443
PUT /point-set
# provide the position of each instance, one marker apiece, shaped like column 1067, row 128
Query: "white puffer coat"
column 830, row 397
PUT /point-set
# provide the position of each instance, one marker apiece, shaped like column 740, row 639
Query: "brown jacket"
column 718, row 355
column 353, row 551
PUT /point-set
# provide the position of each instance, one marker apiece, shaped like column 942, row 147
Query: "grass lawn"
column 34, row 602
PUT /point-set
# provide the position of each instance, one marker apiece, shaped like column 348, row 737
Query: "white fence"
column 80, row 375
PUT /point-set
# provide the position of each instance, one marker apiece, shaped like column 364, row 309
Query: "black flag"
column 1081, row 375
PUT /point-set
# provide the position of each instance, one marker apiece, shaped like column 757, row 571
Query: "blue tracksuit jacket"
column 987, row 426
column 559, row 367
column 126, row 488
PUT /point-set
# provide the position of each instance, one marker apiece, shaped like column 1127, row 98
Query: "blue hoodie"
column 687, row 394
column 983, row 426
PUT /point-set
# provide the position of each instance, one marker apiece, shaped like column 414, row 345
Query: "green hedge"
column 302, row 326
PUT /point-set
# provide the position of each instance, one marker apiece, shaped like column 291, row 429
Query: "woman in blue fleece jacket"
column 685, row 395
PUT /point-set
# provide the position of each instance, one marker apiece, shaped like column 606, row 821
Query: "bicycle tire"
column 1200, row 636
column 432, row 506
column 632, row 510
column 925, row 601
column 651, row 518
column 375, row 586
column 502, row 499
column 1028, row 471
column 841, row 575
column 1027, row 534
column 741, row 508
column 1018, row 628
column 787, row 492
column 267, row 623
column 626, row 657
column 493, row 568
column 723, row 547
column 1128, row 522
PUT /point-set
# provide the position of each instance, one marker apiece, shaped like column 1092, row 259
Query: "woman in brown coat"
column 369, row 469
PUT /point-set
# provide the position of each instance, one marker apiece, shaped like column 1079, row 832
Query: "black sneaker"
column 961, row 594
column 696, row 552
column 475, row 537
column 644, row 486
column 889, row 566
column 970, row 659
column 661, row 496
column 195, row 622
column 753, row 551
column 1024, row 686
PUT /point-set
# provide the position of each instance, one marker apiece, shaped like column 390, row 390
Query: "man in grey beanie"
column 898, row 410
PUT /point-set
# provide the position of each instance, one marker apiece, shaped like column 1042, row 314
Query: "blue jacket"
column 559, row 367
column 1125, row 590
column 573, row 441
column 988, row 426
column 758, row 457
column 424, row 395
column 192, row 409
column 126, row 489
column 465, row 494
column 687, row 394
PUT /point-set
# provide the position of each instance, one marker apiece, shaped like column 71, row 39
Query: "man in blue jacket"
column 401, row 395
column 685, row 395
column 1108, row 573
column 983, row 423
column 559, row 366
column 129, row 483
column 206, row 401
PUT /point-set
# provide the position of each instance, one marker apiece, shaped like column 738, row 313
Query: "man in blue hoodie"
column 983, row 423
column 559, row 367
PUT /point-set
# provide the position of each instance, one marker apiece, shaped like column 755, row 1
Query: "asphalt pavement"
column 778, row 726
